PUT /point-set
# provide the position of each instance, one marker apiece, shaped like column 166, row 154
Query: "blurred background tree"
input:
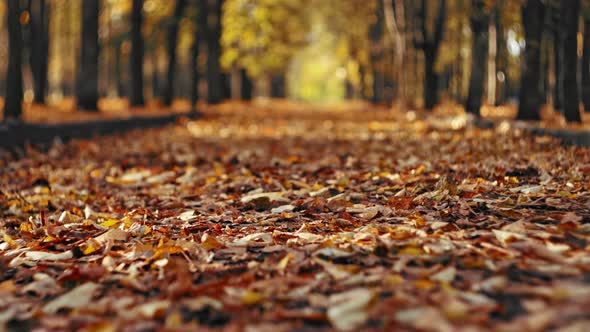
column 417, row 54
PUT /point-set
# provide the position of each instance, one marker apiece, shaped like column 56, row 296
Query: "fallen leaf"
column 78, row 297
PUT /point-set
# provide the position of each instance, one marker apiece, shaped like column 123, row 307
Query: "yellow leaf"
column 394, row 280
column 284, row 262
column 209, row 242
column 250, row 297
column 26, row 228
column 49, row 239
column 9, row 240
column 110, row 223
column 414, row 251
column 91, row 248
column 424, row 284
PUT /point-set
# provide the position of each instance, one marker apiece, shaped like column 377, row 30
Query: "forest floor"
column 298, row 220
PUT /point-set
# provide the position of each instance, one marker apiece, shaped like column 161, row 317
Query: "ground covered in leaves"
column 298, row 220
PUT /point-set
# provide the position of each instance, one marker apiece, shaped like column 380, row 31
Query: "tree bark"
column 479, row 47
column 225, row 86
column 530, row 96
column 210, row 26
column 14, row 75
column 195, row 75
column 137, row 51
column 119, row 70
column 431, row 78
column 38, row 59
column 87, row 85
column 277, row 86
column 569, row 59
column 431, row 45
column 172, row 42
column 586, row 66
column 501, row 59
column 246, row 85
column 376, row 37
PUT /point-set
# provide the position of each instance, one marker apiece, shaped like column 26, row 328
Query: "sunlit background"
column 323, row 51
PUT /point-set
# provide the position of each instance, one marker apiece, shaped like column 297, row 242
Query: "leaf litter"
column 300, row 220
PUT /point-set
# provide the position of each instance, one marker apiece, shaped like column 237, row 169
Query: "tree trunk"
column 501, row 59
column 210, row 26
column 119, row 71
column 278, row 84
column 136, row 61
column 479, row 47
column 376, row 37
column 431, row 45
column 557, row 45
column 530, row 96
column 87, row 85
column 225, row 86
column 172, row 42
column 586, row 66
column 195, row 77
column 14, row 76
column 378, row 86
column 246, row 85
column 430, row 80
column 38, row 58
column 569, row 55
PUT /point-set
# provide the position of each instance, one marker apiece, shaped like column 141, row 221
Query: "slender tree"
column 210, row 27
column 14, row 76
column 172, row 43
column 530, row 96
column 246, row 85
column 554, row 7
column 195, row 76
column 479, row 50
column 376, row 36
column 430, row 45
column 278, row 86
column 137, row 52
column 39, row 39
column 586, row 61
column 501, row 56
column 570, row 10
column 87, row 81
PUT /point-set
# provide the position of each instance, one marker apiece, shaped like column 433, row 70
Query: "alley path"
column 294, row 220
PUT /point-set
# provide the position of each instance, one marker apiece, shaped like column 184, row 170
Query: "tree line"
column 412, row 52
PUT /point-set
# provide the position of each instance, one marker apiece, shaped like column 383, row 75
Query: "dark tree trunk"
column 119, row 70
column 569, row 55
column 530, row 96
column 14, row 76
column 501, row 59
column 350, row 90
column 195, row 77
column 87, row 84
column 378, row 86
column 277, row 86
column 557, row 45
column 39, row 48
column 246, row 85
column 430, row 80
column 210, row 26
column 431, row 45
column 479, row 47
column 376, row 37
column 172, row 42
column 586, row 66
column 225, row 86
column 136, row 60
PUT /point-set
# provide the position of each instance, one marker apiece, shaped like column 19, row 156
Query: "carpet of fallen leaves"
column 255, row 220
